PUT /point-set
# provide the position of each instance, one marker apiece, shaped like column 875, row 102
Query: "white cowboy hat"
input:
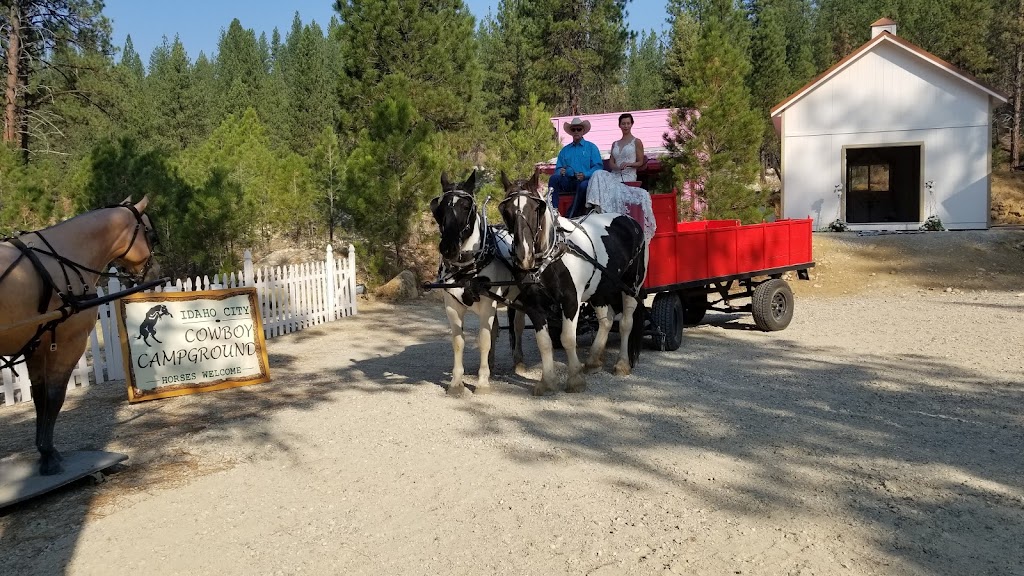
column 567, row 126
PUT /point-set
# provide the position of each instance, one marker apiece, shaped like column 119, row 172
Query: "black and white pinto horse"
column 473, row 255
column 599, row 258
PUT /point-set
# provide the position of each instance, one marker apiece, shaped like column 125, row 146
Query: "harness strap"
column 48, row 284
column 631, row 290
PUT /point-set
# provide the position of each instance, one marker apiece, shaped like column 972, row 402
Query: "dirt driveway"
column 879, row 434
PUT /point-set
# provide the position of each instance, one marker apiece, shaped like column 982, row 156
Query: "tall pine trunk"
column 1018, row 92
column 11, row 94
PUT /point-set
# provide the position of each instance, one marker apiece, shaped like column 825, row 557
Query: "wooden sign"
column 176, row 343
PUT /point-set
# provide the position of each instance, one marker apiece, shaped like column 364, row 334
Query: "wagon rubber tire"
column 695, row 308
column 772, row 305
column 667, row 316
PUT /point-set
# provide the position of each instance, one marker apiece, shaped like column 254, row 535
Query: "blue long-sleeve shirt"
column 583, row 157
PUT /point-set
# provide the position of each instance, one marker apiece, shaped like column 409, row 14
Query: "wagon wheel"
column 695, row 308
column 667, row 318
column 772, row 305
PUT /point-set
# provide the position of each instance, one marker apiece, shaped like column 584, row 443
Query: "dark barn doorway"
column 883, row 184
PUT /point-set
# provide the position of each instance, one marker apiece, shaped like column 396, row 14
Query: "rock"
column 401, row 288
column 949, row 289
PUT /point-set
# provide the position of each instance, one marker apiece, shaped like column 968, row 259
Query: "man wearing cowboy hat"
column 577, row 161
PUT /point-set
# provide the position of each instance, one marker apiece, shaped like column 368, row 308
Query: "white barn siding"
column 955, row 159
column 889, row 96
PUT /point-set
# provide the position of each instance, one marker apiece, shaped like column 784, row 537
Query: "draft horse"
column 473, row 257
column 57, row 268
column 562, row 263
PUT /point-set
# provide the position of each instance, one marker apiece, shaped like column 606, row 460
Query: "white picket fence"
column 291, row 298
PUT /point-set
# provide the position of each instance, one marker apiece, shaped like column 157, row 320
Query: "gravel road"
column 878, row 434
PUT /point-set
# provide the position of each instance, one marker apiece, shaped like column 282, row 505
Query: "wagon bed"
column 716, row 264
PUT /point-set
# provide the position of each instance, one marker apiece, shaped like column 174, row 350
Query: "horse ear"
column 534, row 182
column 470, row 184
column 504, row 181
column 444, row 180
column 141, row 206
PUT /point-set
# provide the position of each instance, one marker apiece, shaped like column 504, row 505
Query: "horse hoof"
column 622, row 369
column 575, row 384
column 520, row 369
column 540, row 390
column 455, row 391
column 50, row 467
column 483, row 390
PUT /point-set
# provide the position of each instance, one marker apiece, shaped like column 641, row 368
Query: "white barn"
column 886, row 138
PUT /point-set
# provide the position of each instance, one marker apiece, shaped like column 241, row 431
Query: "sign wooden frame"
column 257, row 343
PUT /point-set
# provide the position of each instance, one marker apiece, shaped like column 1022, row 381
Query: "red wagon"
column 720, row 265
column 717, row 264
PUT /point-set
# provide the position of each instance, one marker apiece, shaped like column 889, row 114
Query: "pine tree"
column 389, row 176
column 32, row 33
column 510, row 44
column 177, row 110
column 1007, row 42
column 310, row 87
column 585, row 51
column 328, row 173
column 426, row 50
column 770, row 78
column 716, row 145
column 241, row 70
column 645, row 64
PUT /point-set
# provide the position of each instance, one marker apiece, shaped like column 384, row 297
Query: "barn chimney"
column 883, row 25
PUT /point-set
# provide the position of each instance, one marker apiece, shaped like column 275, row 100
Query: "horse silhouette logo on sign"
column 147, row 329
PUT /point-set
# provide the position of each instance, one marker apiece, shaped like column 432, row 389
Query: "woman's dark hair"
column 627, row 115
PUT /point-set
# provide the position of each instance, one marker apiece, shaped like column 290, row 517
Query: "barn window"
column 869, row 178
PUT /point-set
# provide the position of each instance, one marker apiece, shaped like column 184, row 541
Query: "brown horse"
column 73, row 254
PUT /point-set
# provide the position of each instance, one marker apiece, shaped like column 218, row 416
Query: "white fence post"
column 247, row 276
column 352, row 279
column 329, row 275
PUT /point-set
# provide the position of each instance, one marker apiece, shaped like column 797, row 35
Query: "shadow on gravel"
column 925, row 452
column 47, row 528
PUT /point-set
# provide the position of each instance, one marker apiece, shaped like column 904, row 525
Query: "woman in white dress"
column 607, row 190
column 627, row 154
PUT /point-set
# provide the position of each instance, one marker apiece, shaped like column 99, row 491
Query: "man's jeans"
column 569, row 185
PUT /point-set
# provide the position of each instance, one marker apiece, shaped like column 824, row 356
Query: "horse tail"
column 636, row 333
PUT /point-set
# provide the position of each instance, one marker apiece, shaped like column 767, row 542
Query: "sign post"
column 176, row 343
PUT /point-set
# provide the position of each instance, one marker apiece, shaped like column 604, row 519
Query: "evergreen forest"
column 338, row 131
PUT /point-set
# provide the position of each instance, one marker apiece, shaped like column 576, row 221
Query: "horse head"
column 138, row 241
column 528, row 218
column 456, row 215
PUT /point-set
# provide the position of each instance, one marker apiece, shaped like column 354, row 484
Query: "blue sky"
column 199, row 22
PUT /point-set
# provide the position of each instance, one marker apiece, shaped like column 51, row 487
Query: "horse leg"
column 629, row 305
column 456, row 314
column 548, row 378
column 49, row 378
column 488, row 313
column 575, row 381
column 604, row 325
column 519, row 321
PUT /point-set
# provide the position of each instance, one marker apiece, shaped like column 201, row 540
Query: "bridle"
column 555, row 246
column 468, row 262
column 151, row 237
